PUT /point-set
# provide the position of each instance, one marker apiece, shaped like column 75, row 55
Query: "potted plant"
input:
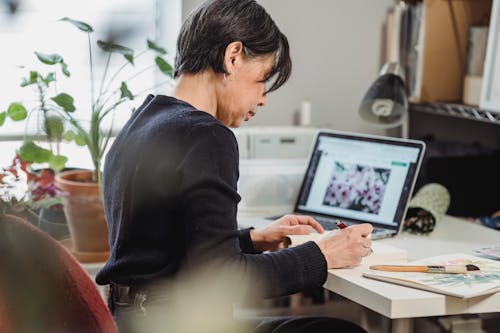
column 82, row 188
column 32, row 196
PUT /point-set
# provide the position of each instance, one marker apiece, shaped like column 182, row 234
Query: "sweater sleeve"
column 245, row 240
column 209, row 202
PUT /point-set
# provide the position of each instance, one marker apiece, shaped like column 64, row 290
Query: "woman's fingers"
column 297, row 229
column 306, row 220
column 364, row 228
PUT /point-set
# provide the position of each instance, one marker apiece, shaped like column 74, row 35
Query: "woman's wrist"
column 257, row 239
column 323, row 247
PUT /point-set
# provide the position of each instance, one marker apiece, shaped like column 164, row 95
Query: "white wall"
column 336, row 52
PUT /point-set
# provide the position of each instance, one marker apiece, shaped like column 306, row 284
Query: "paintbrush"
column 451, row 269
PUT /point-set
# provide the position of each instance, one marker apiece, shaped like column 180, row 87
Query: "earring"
column 232, row 77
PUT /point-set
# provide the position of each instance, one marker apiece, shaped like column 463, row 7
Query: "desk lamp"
column 12, row 5
column 385, row 103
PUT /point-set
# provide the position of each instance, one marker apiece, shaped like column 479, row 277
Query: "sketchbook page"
column 384, row 253
column 476, row 283
column 492, row 252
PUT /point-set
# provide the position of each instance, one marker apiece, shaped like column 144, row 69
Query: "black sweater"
column 171, row 199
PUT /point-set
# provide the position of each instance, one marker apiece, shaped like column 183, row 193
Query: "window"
column 36, row 27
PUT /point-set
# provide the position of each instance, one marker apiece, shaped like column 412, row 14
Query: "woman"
column 170, row 177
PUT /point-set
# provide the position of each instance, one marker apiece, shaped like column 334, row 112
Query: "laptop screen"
column 360, row 178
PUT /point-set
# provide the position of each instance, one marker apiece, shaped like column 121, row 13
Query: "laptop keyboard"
column 330, row 224
column 327, row 223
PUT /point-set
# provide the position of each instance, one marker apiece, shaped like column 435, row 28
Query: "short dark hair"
column 215, row 24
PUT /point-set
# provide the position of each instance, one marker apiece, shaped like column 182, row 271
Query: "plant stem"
column 99, row 183
column 153, row 87
column 79, row 128
column 130, row 78
column 94, row 138
column 55, row 82
column 45, row 111
column 43, row 108
column 41, row 100
column 91, row 73
column 120, row 69
column 108, row 136
column 122, row 100
column 111, row 108
column 104, row 77
column 140, row 72
column 90, row 141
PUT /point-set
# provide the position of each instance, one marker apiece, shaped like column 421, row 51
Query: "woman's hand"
column 346, row 247
column 269, row 238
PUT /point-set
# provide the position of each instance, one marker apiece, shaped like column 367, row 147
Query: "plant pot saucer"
column 84, row 257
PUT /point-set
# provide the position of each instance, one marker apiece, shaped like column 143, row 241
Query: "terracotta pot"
column 84, row 212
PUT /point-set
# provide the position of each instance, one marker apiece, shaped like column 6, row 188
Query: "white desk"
column 403, row 304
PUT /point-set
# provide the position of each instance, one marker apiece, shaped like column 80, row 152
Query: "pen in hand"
column 342, row 225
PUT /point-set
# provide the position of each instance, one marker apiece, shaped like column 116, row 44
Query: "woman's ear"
column 233, row 56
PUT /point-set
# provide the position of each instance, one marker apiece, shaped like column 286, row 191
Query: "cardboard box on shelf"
column 444, row 32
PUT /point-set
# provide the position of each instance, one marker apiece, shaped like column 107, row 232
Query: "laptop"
column 358, row 178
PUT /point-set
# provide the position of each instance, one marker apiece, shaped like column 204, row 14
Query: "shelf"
column 457, row 111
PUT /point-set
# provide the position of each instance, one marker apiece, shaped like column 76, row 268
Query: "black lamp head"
column 386, row 103
column 12, row 5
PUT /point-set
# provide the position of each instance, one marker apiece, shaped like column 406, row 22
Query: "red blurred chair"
column 42, row 286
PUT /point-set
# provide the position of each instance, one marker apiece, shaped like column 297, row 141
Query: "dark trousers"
column 140, row 312
column 306, row 325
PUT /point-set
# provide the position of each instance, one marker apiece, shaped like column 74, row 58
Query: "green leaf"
column 79, row 24
column 65, row 101
column 17, row 112
column 80, row 140
column 57, row 162
column 128, row 53
column 110, row 47
column 51, row 77
column 164, row 66
column 25, row 83
column 34, row 76
column 130, row 58
column 30, row 152
column 69, row 135
column 33, row 79
column 54, row 127
column 3, row 115
column 49, row 59
column 154, row 47
column 125, row 92
column 65, row 70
